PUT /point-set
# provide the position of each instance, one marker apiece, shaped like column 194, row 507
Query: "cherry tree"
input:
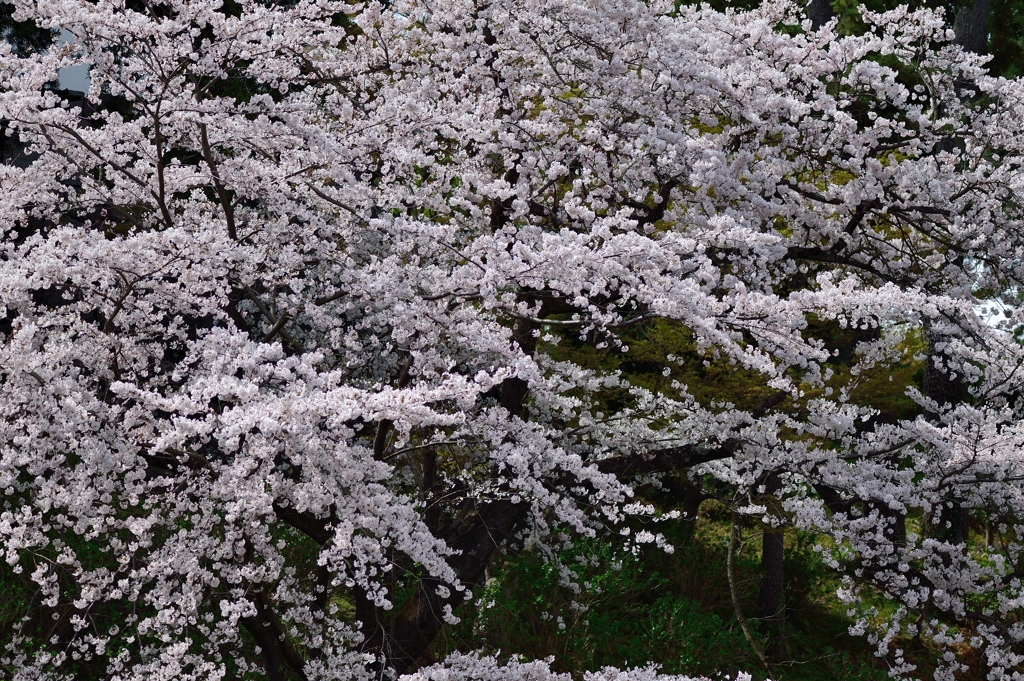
column 286, row 311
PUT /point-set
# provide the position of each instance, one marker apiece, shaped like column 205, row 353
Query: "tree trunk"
column 947, row 390
column 971, row 29
column 476, row 534
column 820, row 12
column 420, row 619
column 771, row 607
column 940, row 383
column 896, row 527
column 771, row 610
column 971, row 26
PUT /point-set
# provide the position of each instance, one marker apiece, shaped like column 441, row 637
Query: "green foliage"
column 628, row 609
column 673, row 629
column 1006, row 38
column 841, row 665
column 625, row 610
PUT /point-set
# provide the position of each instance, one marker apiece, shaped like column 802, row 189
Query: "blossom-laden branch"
column 314, row 302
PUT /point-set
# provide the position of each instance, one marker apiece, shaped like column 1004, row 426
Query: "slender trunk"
column 734, row 593
column 771, row 607
column 947, row 390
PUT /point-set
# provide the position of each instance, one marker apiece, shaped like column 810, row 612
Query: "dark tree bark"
column 950, row 523
column 770, row 607
column 692, row 498
column 895, row 525
column 946, row 388
column 820, row 12
column 971, row 29
column 281, row 660
column 419, row 621
column 476, row 533
column 960, row 525
column 971, row 26
column 940, row 383
column 771, row 610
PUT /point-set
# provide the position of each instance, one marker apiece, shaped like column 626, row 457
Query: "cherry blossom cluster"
column 288, row 311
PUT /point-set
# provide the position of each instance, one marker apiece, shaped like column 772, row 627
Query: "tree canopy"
column 313, row 309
